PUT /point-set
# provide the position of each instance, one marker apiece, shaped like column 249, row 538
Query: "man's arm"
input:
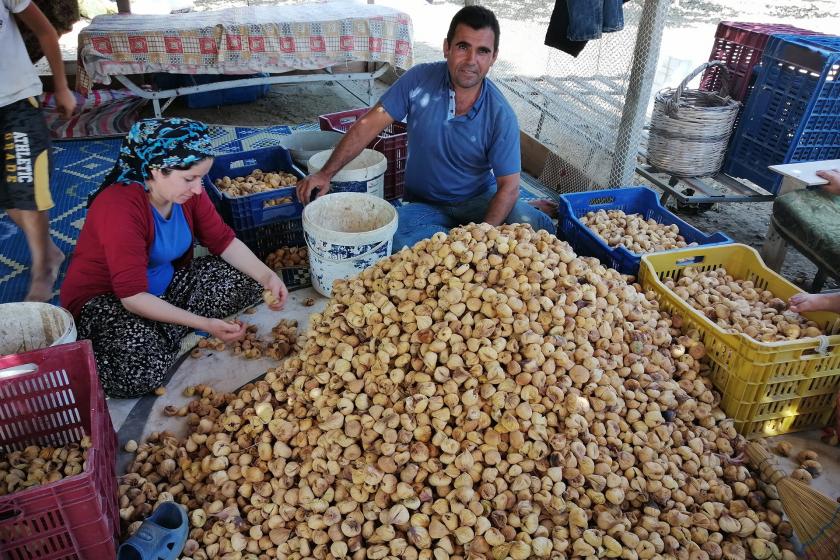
column 38, row 23
column 502, row 203
column 357, row 138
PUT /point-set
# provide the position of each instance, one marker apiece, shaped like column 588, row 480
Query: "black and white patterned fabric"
column 133, row 354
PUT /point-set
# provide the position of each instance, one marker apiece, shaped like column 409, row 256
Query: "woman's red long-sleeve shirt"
column 112, row 254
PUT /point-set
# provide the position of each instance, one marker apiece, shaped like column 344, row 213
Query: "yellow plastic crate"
column 768, row 388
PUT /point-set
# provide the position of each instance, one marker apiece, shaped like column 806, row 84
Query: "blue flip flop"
column 161, row 536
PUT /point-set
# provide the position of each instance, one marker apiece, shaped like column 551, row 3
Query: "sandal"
column 161, row 536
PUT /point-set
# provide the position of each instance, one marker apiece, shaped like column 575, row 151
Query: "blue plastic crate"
column 247, row 212
column 631, row 200
column 216, row 98
column 262, row 240
column 793, row 113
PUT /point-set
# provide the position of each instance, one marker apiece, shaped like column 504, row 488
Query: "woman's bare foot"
column 545, row 205
column 43, row 277
column 802, row 303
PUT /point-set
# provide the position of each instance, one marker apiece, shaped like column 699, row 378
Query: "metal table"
column 311, row 42
column 692, row 191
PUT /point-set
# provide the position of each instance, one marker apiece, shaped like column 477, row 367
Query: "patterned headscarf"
column 157, row 144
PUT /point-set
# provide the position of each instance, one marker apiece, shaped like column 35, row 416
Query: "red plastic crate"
column 57, row 400
column 740, row 45
column 393, row 142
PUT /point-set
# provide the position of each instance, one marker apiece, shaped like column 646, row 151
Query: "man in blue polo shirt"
column 463, row 139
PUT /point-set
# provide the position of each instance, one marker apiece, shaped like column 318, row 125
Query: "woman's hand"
column 278, row 289
column 224, row 331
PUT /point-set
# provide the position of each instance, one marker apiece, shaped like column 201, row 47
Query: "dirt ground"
column 686, row 42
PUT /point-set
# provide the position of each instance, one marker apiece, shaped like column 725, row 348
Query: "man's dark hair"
column 477, row 17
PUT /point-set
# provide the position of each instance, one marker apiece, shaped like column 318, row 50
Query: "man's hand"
column 65, row 102
column 224, row 331
column 833, row 178
column 315, row 181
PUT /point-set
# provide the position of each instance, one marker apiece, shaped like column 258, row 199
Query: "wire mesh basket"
column 690, row 128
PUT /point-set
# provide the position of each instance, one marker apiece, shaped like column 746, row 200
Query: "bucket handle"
column 379, row 139
column 672, row 104
column 365, row 254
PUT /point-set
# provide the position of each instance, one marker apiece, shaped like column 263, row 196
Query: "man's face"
column 470, row 55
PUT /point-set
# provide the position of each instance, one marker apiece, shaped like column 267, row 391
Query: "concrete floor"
column 135, row 419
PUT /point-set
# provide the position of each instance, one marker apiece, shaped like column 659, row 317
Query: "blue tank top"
column 172, row 239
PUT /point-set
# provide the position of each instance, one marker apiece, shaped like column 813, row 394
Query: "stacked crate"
column 391, row 142
column 740, row 45
column 51, row 398
column 261, row 226
column 767, row 388
column 793, row 111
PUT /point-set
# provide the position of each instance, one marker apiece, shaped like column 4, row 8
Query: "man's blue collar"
column 471, row 114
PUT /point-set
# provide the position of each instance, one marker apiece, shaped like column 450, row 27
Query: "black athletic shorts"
column 25, row 141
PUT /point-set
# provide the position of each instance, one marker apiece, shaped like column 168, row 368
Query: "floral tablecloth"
column 247, row 40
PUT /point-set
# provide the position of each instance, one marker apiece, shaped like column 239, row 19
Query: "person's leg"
column 475, row 209
column 525, row 213
column 25, row 190
column 417, row 221
column 210, row 287
column 133, row 354
column 546, row 205
column 46, row 256
column 472, row 210
column 802, row 303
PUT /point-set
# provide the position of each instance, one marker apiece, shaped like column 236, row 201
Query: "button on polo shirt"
column 452, row 158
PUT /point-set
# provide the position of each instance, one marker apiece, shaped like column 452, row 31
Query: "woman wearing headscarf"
column 132, row 285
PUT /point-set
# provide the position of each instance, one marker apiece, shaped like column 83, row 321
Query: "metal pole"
column 124, row 6
column 645, row 57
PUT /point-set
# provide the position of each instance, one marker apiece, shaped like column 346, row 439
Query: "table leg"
column 156, row 106
column 790, row 184
column 774, row 249
column 819, row 281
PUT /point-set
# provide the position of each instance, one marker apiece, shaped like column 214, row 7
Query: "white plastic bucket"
column 346, row 233
column 28, row 326
column 304, row 144
column 365, row 174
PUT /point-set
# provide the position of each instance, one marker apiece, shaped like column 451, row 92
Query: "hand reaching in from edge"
column 833, row 178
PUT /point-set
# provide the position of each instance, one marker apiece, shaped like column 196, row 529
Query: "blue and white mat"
column 78, row 168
